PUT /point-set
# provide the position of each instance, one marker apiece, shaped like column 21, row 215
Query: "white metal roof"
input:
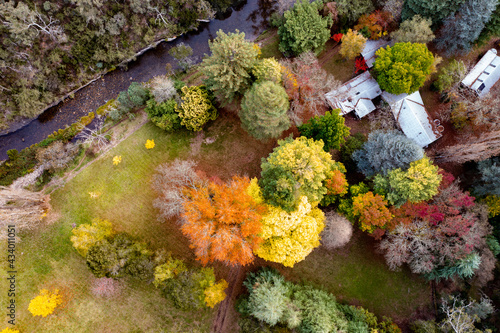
column 485, row 74
column 409, row 111
column 355, row 95
column 371, row 47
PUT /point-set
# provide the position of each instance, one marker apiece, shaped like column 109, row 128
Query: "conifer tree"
column 436, row 10
column 228, row 69
column 263, row 110
column 462, row 29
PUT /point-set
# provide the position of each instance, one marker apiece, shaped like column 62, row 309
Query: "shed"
column 409, row 111
column 355, row 95
column 371, row 46
column 485, row 74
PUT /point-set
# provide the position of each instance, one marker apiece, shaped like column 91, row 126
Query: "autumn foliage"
column 372, row 211
column 45, row 303
column 222, row 222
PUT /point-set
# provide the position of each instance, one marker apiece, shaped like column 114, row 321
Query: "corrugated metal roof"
column 355, row 95
column 485, row 74
column 409, row 111
column 371, row 46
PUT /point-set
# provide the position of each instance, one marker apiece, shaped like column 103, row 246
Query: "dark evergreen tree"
column 279, row 188
column 330, row 128
column 436, row 10
column 490, row 177
column 460, row 30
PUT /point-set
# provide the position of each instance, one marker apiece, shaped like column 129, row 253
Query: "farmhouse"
column 355, row 95
column 484, row 75
column 409, row 110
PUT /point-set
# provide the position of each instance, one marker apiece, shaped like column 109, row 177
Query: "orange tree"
column 222, row 222
column 372, row 211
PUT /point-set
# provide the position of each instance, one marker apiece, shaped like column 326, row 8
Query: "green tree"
column 353, row 9
column 330, row 128
column 352, row 44
column 196, row 108
column 403, row 68
column 306, row 160
column 416, row 30
column 436, row 10
column 164, row 115
column 419, row 183
column 490, row 177
column 228, row 69
column 279, row 188
column 304, row 29
column 461, row 30
column 263, row 110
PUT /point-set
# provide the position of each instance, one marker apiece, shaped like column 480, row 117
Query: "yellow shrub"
column 215, row 293
column 45, row 303
column 150, row 144
column 87, row 235
column 9, row 330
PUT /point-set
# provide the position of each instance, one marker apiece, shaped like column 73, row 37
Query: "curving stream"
column 249, row 16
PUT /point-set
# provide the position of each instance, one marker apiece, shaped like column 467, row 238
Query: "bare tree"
column 337, row 232
column 22, row 208
column 95, row 137
column 169, row 182
column 306, row 83
column 162, row 88
column 56, row 156
column 26, row 24
column 461, row 315
column 476, row 149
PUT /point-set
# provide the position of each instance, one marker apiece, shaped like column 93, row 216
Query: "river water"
column 248, row 16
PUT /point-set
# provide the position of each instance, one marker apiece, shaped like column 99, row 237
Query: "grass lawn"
column 357, row 275
column 47, row 259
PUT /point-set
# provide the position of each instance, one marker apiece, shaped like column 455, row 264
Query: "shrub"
column 263, row 110
column 303, row 28
column 13, row 154
column 57, row 155
column 337, row 232
column 118, row 256
column 86, row 235
column 135, row 96
column 106, row 287
column 403, row 68
column 162, row 88
column 10, row 330
column 196, row 108
column 352, row 143
column 164, row 115
column 490, row 177
column 45, row 303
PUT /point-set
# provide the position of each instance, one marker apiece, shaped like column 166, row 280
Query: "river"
column 248, row 16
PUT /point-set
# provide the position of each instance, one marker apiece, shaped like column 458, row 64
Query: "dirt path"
column 225, row 319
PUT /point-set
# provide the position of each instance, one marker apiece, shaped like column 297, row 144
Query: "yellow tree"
column 372, row 211
column 87, row 235
column 352, row 44
column 45, row 303
column 288, row 237
column 196, row 108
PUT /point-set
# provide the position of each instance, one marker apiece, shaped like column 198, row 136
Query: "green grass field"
column 47, row 260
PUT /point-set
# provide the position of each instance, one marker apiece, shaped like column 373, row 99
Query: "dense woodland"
column 230, row 189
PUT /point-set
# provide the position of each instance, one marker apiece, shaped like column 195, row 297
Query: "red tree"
column 222, row 222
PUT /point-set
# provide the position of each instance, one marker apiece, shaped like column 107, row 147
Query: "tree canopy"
column 304, row 29
column 403, row 68
column 228, row 68
column 330, row 128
